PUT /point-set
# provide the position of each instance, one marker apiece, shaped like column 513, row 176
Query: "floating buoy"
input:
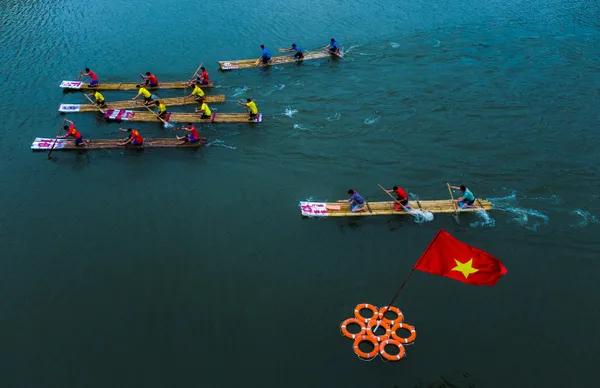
column 360, row 353
column 349, row 321
column 410, row 339
column 368, row 307
column 373, row 323
column 392, row 357
column 395, row 310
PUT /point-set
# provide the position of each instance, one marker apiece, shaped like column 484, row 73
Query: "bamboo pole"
column 56, row 138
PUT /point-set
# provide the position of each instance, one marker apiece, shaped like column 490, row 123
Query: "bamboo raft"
column 80, row 85
column 250, row 63
column 323, row 209
column 128, row 115
column 137, row 104
column 45, row 144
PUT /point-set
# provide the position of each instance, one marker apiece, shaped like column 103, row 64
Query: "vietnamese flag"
column 446, row 256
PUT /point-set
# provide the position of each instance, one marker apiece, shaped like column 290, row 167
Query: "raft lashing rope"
column 389, row 337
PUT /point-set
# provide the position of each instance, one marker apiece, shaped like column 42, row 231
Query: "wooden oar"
column 93, row 103
column 452, row 196
column 196, row 72
column 167, row 125
column 395, row 200
column 192, row 79
column 56, row 138
column 243, row 106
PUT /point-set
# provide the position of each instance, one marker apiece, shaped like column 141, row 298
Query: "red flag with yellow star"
column 446, row 256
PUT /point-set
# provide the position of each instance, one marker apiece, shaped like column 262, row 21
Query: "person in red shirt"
column 204, row 77
column 134, row 137
column 192, row 136
column 150, row 79
column 91, row 74
column 401, row 198
column 72, row 131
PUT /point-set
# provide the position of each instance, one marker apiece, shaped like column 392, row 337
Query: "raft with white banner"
column 80, row 85
column 333, row 209
column 45, row 144
column 250, row 63
column 135, row 104
column 128, row 115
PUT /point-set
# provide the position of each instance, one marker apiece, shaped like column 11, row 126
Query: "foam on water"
column 521, row 215
column 485, row 220
column 335, row 117
column 289, row 112
column 371, row 120
column 421, row 217
column 584, row 219
column 220, row 143
column 394, row 44
column 302, row 127
column 240, row 91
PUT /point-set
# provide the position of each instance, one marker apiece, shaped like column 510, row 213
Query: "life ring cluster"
column 390, row 336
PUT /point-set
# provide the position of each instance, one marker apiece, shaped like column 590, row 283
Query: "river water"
column 194, row 268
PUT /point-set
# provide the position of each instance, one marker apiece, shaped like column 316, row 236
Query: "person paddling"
column 99, row 99
column 142, row 91
column 134, row 137
column 266, row 55
column 357, row 203
column 252, row 108
column 204, row 80
column 204, row 109
column 298, row 52
column 149, row 79
column 91, row 74
column 333, row 47
column 192, row 136
column 197, row 93
column 401, row 198
column 162, row 109
column 73, row 132
column 467, row 200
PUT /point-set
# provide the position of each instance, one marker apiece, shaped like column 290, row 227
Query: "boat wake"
column 420, row 217
column 531, row 219
column 584, row 219
column 220, row 143
column 289, row 112
column 240, row 91
column 485, row 220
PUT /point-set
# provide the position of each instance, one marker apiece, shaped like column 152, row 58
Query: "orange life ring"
column 349, row 321
column 410, row 339
column 392, row 357
column 393, row 309
column 362, row 354
column 368, row 307
column 373, row 323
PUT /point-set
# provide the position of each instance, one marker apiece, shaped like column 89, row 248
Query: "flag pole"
column 413, row 270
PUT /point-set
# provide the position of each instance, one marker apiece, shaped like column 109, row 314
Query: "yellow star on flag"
column 466, row 268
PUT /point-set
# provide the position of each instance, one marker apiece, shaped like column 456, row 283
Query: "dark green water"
column 170, row 268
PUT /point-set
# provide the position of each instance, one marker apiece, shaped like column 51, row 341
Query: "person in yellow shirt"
column 99, row 99
column 250, row 107
column 143, row 92
column 206, row 113
column 162, row 109
column 197, row 92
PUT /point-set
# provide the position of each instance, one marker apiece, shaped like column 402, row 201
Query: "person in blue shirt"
column 299, row 53
column 357, row 203
column 266, row 55
column 333, row 47
column 467, row 200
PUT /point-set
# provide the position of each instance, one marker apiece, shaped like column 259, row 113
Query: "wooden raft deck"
column 250, row 63
column 45, row 144
column 128, row 115
column 137, row 104
column 80, row 85
column 324, row 209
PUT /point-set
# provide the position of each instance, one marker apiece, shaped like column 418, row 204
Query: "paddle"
column 192, row 79
column 167, row 125
column 243, row 106
column 56, row 138
column 93, row 103
column 452, row 196
column 398, row 202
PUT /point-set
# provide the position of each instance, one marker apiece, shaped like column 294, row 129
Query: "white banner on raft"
column 71, row 84
column 41, row 143
column 314, row 209
column 69, row 108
